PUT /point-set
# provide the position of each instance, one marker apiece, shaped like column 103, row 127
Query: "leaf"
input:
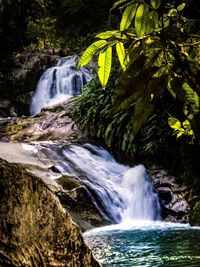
column 128, row 16
column 181, row 7
column 141, row 18
column 116, row 4
column 123, row 58
column 104, row 66
column 90, row 51
column 155, row 4
column 142, row 111
column 152, row 22
column 106, row 35
column 192, row 97
column 174, row 123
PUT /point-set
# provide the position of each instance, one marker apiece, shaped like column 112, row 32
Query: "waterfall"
column 59, row 83
column 120, row 192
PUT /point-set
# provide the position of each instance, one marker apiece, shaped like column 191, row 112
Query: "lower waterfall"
column 121, row 193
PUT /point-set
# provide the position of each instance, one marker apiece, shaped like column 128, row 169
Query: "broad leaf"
column 90, row 51
column 152, row 22
column 128, row 16
column 141, row 18
column 142, row 111
column 155, row 3
column 106, row 35
column 192, row 97
column 104, row 66
column 123, row 58
column 116, row 4
column 181, row 7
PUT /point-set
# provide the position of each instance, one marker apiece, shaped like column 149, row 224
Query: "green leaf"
column 192, row 97
column 123, row 58
column 104, row 66
column 181, row 7
column 90, row 51
column 155, row 4
column 116, row 4
column 174, row 123
column 106, row 35
column 128, row 16
column 141, row 18
column 152, row 22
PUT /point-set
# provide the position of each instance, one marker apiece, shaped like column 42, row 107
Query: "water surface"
column 147, row 245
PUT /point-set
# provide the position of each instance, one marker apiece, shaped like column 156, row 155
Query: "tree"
column 157, row 48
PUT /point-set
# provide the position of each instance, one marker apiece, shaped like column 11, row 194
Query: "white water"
column 123, row 194
column 58, row 84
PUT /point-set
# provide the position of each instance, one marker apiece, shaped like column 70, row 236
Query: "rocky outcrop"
column 173, row 196
column 20, row 81
column 54, row 123
column 35, row 230
column 72, row 194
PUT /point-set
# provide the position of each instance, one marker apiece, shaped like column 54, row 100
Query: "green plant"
column 156, row 41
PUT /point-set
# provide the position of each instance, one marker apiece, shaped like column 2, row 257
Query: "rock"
column 17, row 85
column 174, row 205
column 71, row 192
column 35, row 230
column 54, row 123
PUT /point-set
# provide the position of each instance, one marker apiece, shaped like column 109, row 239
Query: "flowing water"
column 122, row 194
column 59, row 83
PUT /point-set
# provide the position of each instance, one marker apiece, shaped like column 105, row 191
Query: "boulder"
column 35, row 230
column 71, row 193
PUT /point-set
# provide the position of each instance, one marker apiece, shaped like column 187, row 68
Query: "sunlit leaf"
column 104, row 66
column 106, row 35
column 90, row 51
column 128, row 16
column 181, row 7
column 141, row 18
column 192, row 97
column 155, row 3
column 123, row 58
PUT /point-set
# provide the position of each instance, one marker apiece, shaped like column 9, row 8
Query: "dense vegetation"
column 49, row 24
column 157, row 97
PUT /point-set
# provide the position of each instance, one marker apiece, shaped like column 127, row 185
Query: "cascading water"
column 59, row 83
column 122, row 193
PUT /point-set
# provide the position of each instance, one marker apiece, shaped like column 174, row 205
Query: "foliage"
column 49, row 24
column 156, row 41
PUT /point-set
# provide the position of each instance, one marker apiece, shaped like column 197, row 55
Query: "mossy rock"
column 195, row 214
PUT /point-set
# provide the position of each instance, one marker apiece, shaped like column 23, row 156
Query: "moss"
column 195, row 214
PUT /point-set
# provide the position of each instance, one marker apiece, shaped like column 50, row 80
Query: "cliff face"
column 20, row 80
column 35, row 230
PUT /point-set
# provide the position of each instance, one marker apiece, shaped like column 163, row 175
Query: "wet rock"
column 71, row 192
column 54, row 123
column 173, row 196
column 35, row 230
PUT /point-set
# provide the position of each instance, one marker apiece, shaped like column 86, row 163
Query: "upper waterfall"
column 59, row 83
